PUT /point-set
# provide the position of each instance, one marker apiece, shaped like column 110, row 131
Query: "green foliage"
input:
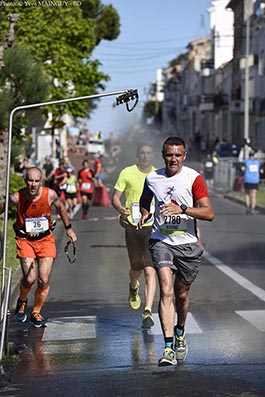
column 21, row 146
column 11, row 253
column 23, row 76
column 5, row 105
column 62, row 39
column 107, row 24
column 16, row 182
column 23, row 82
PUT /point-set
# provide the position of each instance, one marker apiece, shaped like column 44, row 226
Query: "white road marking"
column 244, row 282
column 70, row 328
column 191, row 327
column 254, row 317
column 76, row 209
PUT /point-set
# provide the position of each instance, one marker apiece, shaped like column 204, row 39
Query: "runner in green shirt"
column 130, row 183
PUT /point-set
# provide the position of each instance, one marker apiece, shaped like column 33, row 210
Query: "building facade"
column 216, row 88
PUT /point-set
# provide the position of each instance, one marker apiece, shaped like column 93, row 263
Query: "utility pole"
column 248, row 7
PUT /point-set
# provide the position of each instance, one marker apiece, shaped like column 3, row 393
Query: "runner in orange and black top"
column 35, row 241
column 86, row 187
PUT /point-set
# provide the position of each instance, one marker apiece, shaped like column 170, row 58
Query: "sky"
column 152, row 33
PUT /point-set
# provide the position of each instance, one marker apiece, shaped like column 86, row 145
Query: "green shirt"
column 131, row 182
column 71, row 184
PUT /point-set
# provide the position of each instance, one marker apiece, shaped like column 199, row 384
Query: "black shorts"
column 137, row 242
column 251, row 186
column 88, row 195
column 70, row 195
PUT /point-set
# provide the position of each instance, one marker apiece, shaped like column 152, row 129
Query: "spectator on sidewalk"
column 48, row 172
column 25, row 164
column 208, row 171
column 98, row 171
column 252, row 170
column 245, row 151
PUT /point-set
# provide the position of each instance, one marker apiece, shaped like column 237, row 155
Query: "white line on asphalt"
column 70, row 328
column 254, row 317
column 244, row 282
column 76, row 209
column 192, row 326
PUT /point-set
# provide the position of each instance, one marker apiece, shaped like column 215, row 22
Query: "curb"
column 260, row 208
column 14, row 293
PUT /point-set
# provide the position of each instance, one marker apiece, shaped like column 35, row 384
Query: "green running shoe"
column 169, row 357
column 181, row 347
column 148, row 321
column 134, row 298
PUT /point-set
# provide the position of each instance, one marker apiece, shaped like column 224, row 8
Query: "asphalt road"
column 94, row 345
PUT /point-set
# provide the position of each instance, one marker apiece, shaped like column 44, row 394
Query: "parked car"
column 225, row 149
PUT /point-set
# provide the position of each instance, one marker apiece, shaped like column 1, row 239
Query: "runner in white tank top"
column 181, row 197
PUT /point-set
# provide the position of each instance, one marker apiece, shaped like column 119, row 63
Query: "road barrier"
column 225, row 174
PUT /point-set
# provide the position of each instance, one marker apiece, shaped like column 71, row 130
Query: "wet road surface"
column 94, row 344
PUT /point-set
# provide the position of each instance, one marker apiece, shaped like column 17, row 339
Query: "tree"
column 62, row 39
column 21, row 81
column 5, row 97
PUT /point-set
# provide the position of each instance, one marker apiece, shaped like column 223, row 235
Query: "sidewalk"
column 240, row 200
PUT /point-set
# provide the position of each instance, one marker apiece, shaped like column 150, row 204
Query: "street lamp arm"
column 59, row 101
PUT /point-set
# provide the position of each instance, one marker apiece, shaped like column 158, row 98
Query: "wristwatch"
column 68, row 226
column 183, row 208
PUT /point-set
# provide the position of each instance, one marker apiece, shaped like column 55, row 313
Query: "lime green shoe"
column 134, row 298
column 168, row 358
column 181, row 347
column 148, row 321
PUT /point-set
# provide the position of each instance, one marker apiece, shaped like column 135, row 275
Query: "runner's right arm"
column 116, row 202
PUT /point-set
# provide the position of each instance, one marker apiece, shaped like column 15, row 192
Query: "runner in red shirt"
column 59, row 183
column 86, row 187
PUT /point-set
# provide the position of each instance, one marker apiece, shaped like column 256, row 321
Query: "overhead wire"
column 124, row 62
